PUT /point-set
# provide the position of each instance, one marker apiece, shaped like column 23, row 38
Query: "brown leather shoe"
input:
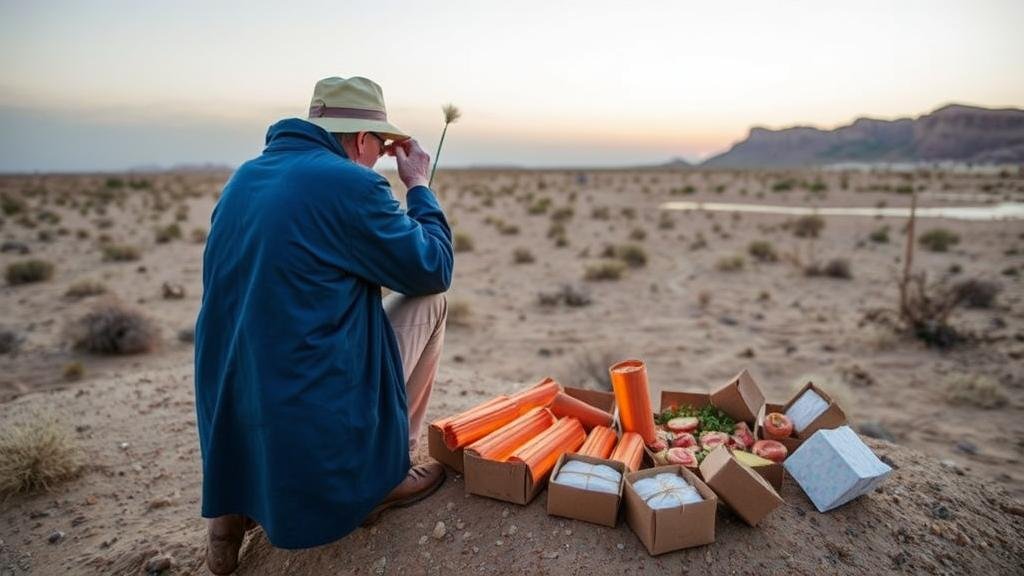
column 224, row 538
column 420, row 482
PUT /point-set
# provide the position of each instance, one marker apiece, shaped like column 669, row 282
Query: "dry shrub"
column 522, row 256
column 113, row 328
column 29, row 271
column 592, row 368
column 632, row 255
column 167, row 233
column 463, row 242
column 638, row 234
column 730, row 263
column 198, row 235
column 73, row 371
column 809, row 226
column 604, row 270
column 762, row 251
column 36, row 455
column 120, row 253
column 568, row 294
column 975, row 390
column 9, row 341
column 84, row 289
column 939, row 239
column 460, row 313
column 838, row 268
column 977, row 293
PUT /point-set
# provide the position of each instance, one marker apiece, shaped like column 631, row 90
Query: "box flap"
column 739, row 486
column 695, row 399
column 596, row 398
column 740, row 397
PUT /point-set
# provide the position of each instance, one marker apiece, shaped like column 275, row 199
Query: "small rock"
column 549, row 555
column 877, row 430
column 449, row 506
column 380, row 565
column 512, row 530
column 55, row 536
column 568, row 532
column 158, row 564
column 459, row 524
column 439, row 530
column 423, row 540
column 966, row 447
column 173, row 291
column 620, row 546
column 941, row 512
column 499, row 542
column 504, row 513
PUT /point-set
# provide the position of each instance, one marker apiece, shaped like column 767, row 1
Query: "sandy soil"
column 693, row 323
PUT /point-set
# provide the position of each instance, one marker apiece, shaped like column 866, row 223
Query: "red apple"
column 684, row 440
column 771, row 449
column 682, row 456
column 683, row 424
column 711, row 440
column 778, row 425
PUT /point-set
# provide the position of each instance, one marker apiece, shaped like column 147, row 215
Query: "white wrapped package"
column 666, row 491
column 806, row 408
column 835, row 466
column 585, row 476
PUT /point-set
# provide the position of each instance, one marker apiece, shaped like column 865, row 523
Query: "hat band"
column 321, row 111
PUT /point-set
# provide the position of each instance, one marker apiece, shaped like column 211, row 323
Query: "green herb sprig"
column 711, row 419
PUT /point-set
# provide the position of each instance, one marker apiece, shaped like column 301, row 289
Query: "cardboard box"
column 745, row 491
column 670, row 529
column 835, row 466
column 740, row 397
column 832, row 417
column 587, row 505
column 511, row 481
column 438, row 451
column 453, row 458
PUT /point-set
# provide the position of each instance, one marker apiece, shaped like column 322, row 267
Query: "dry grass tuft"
column 29, row 271
column 36, row 455
column 85, row 289
column 112, row 328
column 975, row 390
column 604, row 270
column 460, row 313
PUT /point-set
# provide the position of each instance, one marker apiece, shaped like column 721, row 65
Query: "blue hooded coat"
column 300, row 394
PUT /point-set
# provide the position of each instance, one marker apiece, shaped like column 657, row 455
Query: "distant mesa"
column 955, row 132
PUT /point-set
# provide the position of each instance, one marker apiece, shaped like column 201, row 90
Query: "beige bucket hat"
column 351, row 105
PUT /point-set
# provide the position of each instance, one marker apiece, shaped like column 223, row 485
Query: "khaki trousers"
column 418, row 323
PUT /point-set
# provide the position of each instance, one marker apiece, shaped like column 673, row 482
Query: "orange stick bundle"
column 629, row 451
column 599, row 443
column 629, row 380
column 564, row 405
column 541, row 453
column 538, row 396
column 501, row 443
column 478, row 422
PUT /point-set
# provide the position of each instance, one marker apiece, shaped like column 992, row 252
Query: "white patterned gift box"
column 835, row 466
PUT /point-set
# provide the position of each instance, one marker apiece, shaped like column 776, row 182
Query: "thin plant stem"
column 437, row 156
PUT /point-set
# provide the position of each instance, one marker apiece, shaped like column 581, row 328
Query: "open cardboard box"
column 740, row 398
column 453, row 458
column 749, row 495
column 832, row 417
column 587, row 505
column 671, row 529
column 512, row 481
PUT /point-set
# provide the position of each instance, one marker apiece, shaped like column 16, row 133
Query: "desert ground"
column 558, row 273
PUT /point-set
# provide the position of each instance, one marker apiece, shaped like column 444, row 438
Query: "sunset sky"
column 90, row 85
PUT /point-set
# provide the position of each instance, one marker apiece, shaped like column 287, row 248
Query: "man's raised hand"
column 413, row 163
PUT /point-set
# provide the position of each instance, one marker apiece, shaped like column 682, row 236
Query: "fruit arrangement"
column 685, row 435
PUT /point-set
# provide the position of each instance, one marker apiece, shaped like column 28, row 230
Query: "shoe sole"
column 374, row 514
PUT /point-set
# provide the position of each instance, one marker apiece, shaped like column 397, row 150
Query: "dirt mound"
column 139, row 500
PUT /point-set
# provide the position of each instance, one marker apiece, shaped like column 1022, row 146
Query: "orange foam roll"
column 474, row 424
column 599, row 443
column 629, row 451
column 540, row 396
column 541, row 453
column 501, row 443
column 629, row 380
column 564, row 405
column 443, row 421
